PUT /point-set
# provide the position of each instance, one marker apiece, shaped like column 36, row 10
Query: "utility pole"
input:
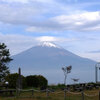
column 96, row 74
column 97, row 66
column 19, row 81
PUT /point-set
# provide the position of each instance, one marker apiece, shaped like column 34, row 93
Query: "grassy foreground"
column 54, row 96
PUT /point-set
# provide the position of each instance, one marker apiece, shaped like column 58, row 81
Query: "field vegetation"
column 56, row 95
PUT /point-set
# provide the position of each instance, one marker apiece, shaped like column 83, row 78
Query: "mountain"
column 48, row 59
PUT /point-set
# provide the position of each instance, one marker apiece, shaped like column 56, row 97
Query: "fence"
column 64, row 94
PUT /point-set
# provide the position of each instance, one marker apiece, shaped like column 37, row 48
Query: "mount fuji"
column 48, row 59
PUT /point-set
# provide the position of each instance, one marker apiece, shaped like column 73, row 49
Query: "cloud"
column 31, row 13
column 97, row 51
column 55, row 39
column 47, row 38
column 26, row 1
column 21, row 15
column 12, row 1
column 86, row 21
column 93, row 56
column 19, row 43
column 44, row 16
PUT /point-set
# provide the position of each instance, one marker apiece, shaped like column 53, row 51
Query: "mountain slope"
column 48, row 59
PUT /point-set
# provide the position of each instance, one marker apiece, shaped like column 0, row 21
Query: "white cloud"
column 34, row 15
column 43, row 1
column 47, row 38
column 21, row 15
column 19, row 43
column 27, row 1
column 11, row 1
column 72, row 0
column 95, row 57
column 37, row 29
column 55, row 39
column 86, row 21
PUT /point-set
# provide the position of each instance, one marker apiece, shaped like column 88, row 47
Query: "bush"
column 61, row 85
column 42, row 81
column 32, row 81
column 36, row 81
column 12, row 79
column 28, row 81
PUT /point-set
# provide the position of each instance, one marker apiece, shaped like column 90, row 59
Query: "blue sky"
column 72, row 24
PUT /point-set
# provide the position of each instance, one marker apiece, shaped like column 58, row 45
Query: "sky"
column 72, row 24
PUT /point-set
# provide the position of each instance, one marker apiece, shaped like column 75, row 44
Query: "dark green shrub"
column 36, row 81
column 12, row 79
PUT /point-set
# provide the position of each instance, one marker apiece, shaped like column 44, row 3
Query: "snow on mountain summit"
column 48, row 44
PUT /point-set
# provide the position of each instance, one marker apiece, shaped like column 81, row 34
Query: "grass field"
column 55, row 96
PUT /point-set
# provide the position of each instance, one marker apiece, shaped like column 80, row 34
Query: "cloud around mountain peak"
column 48, row 44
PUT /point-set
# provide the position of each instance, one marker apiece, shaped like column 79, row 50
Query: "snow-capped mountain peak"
column 48, row 44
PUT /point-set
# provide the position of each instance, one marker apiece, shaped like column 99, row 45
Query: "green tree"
column 12, row 79
column 4, row 60
column 36, row 81
column 32, row 81
column 42, row 81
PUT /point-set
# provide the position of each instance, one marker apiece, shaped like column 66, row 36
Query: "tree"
column 36, row 81
column 4, row 60
column 32, row 81
column 42, row 81
column 66, row 71
column 12, row 80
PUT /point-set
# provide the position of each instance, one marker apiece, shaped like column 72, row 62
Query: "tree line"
column 28, row 81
